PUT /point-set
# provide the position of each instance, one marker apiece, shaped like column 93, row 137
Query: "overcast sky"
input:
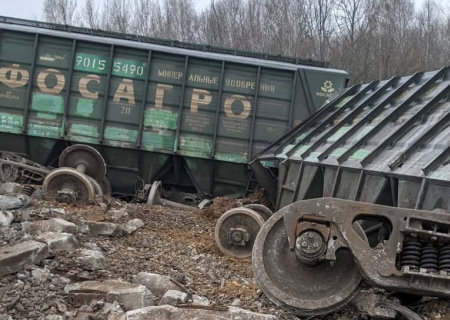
column 31, row 9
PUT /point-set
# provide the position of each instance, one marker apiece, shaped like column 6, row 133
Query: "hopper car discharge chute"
column 189, row 115
column 363, row 193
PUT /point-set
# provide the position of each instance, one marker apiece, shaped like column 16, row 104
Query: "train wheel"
column 69, row 186
column 263, row 211
column 302, row 288
column 97, row 187
column 85, row 159
column 236, row 231
column 106, row 186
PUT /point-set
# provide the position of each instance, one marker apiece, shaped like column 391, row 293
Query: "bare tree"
column 118, row 15
column 60, row 11
column 372, row 39
column 91, row 15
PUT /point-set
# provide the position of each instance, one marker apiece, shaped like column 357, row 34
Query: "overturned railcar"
column 189, row 115
column 368, row 173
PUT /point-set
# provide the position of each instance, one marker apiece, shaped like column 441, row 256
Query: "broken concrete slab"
column 130, row 296
column 14, row 202
column 14, row 258
column 173, row 298
column 41, row 275
column 58, row 242
column 369, row 303
column 51, row 225
column 200, row 301
column 10, row 188
column 172, row 313
column 117, row 214
column 132, row 225
column 156, row 283
column 6, row 218
column 100, row 228
column 91, row 259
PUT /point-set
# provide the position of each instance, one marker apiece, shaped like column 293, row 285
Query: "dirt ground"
column 172, row 242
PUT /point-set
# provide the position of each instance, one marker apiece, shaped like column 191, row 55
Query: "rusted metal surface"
column 236, row 230
column 276, row 253
column 80, row 177
column 190, row 118
column 15, row 168
column 383, row 142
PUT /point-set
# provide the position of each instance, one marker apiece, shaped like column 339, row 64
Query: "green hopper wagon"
column 190, row 115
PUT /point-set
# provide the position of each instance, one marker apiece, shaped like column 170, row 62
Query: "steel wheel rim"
column 282, row 283
column 84, row 154
column 69, row 178
column 263, row 211
column 251, row 220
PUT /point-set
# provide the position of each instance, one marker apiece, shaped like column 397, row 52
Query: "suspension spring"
column 429, row 258
column 28, row 189
column 444, row 258
column 410, row 256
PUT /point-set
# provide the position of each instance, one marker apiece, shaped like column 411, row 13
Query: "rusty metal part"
column 97, row 187
column 155, row 198
column 380, row 265
column 105, row 185
column 15, row 168
column 263, row 211
column 85, row 159
column 28, row 189
column 154, row 195
column 289, row 282
column 68, row 185
column 236, row 230
column 309, row 246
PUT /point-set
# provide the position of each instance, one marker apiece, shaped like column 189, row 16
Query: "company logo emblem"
column 327, row 87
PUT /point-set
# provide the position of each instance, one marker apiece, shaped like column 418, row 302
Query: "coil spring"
column 444, row 258
column 411, row 254
column 429, row 258
column 28, row 190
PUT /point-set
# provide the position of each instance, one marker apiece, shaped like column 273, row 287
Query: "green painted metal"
column 139, row 96
column 385, row 142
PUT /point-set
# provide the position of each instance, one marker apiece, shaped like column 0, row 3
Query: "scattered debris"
column 50, row 225
column 156, row 283
column 130, row 296
column 167, row 312
column 171, row 255
column 14, row 258
column 6, row 218
column 58, row 241
column 132, row 225
column 90, row 259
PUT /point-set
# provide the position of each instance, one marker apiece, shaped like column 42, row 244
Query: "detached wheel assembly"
column 297, row 280
column 68, row 185
column 236, row 231
column 85, row 159
column 80, row 178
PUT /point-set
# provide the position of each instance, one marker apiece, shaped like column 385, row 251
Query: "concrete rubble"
column 130, row 296
column 50, row 225
column 156, row 283
column 90, row 259
column 16, row 257
column 58, row 241
column 119, row 261
column 167, row 312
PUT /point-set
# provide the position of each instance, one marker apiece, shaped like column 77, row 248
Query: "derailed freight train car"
column 363, row 193
column 154, row 109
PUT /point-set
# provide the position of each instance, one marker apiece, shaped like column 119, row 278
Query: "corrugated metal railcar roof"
column 399, row 127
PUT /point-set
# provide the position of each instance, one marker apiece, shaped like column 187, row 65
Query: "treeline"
column 372, row 39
